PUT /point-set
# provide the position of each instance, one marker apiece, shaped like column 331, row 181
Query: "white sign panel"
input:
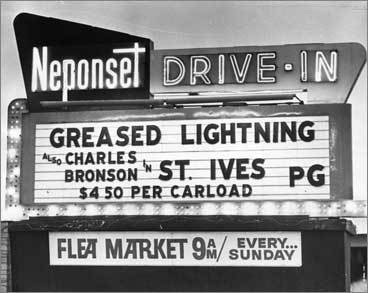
column 265, row 249
column 183, row 160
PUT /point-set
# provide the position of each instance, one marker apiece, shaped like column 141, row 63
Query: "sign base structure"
column 171, row 253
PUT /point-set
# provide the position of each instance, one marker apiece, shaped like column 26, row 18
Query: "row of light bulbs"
column 348, row 208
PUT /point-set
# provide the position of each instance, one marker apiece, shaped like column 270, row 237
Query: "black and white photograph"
column 183, row 146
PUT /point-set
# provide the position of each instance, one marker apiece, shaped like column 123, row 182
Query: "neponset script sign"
column 187, row 155
column 67, row 61
column 265, row 249
column 117, row 66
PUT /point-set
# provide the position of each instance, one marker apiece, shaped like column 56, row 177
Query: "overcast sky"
column 205, row 24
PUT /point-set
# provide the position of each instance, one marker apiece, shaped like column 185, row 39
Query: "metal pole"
column 198, row 99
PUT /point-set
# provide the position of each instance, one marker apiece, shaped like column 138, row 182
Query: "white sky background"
column 190, row 24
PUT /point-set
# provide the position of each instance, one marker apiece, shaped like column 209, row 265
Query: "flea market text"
column 182, row 160
column 176, row 248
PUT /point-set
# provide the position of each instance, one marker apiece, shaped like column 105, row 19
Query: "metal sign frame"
column 13, row 210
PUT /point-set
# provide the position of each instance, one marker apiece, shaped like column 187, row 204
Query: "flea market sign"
column 257, row 249
column 327, row 72
column 189, row 155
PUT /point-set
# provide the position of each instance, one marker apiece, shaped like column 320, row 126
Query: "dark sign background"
column 325, row 257
column 67, row 40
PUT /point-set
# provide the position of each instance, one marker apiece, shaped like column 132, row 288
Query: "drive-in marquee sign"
column 271, row 153
column 294, row 159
